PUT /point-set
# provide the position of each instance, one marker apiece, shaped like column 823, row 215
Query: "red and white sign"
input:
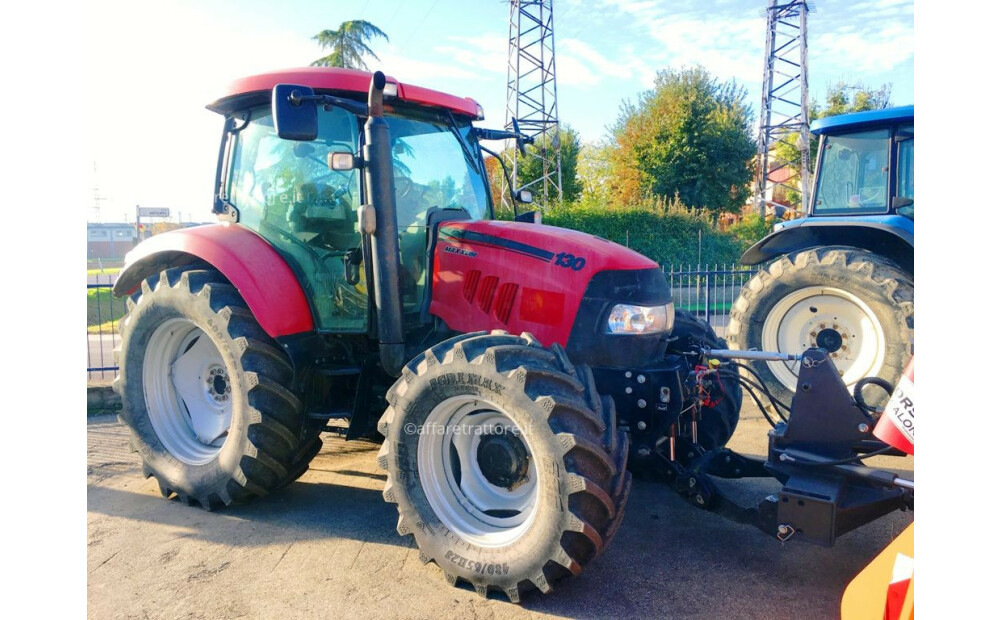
column 895, row 427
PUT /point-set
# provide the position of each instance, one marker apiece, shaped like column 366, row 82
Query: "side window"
column 288, row 184
column 285, row 191
column 904, row 165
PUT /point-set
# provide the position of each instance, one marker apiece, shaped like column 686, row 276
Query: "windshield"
column 432, row 169
column 854, row 174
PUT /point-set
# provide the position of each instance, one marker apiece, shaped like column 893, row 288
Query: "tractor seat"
column 326, row 212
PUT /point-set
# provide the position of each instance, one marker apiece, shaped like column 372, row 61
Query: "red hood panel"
column 518, row 276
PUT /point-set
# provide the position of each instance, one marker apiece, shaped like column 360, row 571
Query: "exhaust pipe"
column 380, row 214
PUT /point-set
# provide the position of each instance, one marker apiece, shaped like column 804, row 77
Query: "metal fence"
column 103, row 312
column 707, row 292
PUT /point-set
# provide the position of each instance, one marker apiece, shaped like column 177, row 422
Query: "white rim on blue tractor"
column 830, row 318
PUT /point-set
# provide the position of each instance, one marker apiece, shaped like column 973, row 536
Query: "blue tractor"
column 840, row 278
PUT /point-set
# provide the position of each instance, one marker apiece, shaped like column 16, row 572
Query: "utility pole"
column 784, row 107
column 531, row 96
column 97, row 197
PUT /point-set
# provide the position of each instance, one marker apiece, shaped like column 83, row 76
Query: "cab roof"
column 871, row 117
column 248, row 91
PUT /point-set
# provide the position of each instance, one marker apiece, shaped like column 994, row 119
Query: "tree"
column 841, row 98
column 689, row 137
column 529, row 168
column 594, row 171
column 498, row 186
column 349, row 44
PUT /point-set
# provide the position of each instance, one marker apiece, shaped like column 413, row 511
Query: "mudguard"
column 886, row 235
column 264, row 279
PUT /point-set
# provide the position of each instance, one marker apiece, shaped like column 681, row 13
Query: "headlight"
column 629, row 319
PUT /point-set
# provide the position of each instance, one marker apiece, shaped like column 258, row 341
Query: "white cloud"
column 572, row 72
column 728, row 47
column 586, row 53
column 422, row 72
column 486, row 53
column 866, row 51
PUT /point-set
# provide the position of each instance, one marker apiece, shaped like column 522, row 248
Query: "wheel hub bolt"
column 218, row 384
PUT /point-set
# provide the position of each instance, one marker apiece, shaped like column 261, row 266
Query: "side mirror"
column 898, row 202
column 294, row 111
column 524, row 196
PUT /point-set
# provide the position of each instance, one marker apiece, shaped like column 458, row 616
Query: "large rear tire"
column 206, row 392
column 507, row 469
column 855, row 304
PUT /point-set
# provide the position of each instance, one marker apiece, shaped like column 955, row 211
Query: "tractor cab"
column 293, row 194
column 865, row 164
column 862, row 190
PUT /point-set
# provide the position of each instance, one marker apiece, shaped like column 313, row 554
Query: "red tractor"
column 356, row 274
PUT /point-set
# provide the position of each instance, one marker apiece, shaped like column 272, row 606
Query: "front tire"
column 855, row 304
column 507, row 469
column 205, row 392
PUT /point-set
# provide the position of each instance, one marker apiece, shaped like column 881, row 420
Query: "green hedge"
column 669, row 234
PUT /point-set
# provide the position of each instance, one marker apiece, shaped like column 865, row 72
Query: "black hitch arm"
column 826, row 491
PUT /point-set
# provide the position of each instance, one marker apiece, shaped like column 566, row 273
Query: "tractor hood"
column 552, row 282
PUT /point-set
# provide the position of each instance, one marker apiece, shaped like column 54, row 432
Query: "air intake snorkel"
column 378, row 219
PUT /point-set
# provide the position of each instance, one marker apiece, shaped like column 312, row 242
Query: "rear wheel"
column 506, row 468
column 206, row 393
column 853, row 303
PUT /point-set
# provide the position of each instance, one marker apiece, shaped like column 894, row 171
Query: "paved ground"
column 327, row 546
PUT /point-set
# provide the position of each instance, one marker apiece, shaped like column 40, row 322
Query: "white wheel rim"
column 818, row 316
column 188, row 393
column 452, row 478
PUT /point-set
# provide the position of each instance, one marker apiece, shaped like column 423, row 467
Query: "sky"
column 152, row 68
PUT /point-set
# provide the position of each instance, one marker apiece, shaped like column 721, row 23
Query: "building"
column 110, row 241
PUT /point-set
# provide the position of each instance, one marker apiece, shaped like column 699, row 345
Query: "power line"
column 416, row 28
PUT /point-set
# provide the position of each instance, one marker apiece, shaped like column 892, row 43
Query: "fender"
column 888, row 235
column 262, row 276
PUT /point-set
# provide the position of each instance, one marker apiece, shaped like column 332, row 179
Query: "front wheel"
column 853, row 303
column 505, row 465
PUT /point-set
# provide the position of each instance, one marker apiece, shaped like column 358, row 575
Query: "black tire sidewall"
column 831, row 275
column 526, row 555
column 153, row 310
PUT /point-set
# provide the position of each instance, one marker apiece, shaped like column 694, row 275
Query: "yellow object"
column 713, row 363
column 867, row 595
